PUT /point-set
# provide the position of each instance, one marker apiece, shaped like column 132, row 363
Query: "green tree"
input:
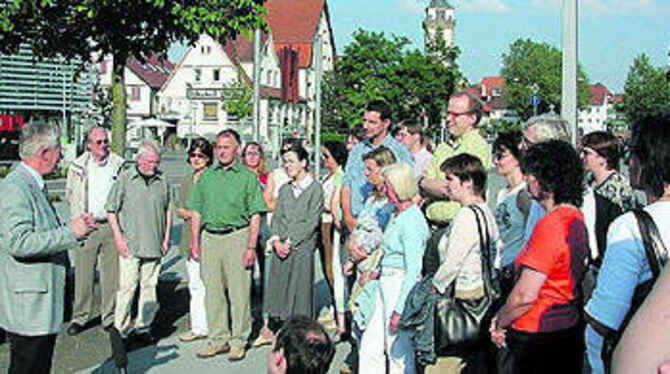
column 376, row 67
column 238, row 99
column 646, row 90
column 530, row 67
column 138, row 28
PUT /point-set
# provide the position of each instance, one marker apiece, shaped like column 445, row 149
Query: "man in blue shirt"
column 377, row 124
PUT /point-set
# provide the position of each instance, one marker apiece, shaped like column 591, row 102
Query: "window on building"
column 216, row 75
column 198, row 75
column 205, row 49
column 441, row 14
column 268, row 77
column 497, row 91
column 135, row 94
column 103, row 67
column 210, row 111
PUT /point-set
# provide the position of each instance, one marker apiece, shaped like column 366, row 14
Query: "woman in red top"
column 540, row 325
column 254, row 159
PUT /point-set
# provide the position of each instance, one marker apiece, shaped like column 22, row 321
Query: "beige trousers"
column 99, row 247
column 227, row 286
column 134, row 272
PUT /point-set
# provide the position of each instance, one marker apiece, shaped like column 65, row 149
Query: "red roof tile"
column 492, row 82
column 599, row 93
column 294, row 23
column 242, row 49
column 616, row 99
column 153, row 72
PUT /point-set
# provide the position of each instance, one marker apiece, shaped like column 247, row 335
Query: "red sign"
column 11, row 122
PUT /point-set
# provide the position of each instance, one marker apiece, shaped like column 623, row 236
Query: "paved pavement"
column 89, row 351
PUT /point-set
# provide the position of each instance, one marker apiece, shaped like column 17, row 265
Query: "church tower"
column 438, row 26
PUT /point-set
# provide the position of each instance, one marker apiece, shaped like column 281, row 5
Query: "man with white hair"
column 33, row 253
column 139, row 216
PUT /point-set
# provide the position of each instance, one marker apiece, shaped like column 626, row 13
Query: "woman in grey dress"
column 294, row 237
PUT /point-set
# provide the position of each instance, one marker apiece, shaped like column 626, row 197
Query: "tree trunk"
column 119, row 118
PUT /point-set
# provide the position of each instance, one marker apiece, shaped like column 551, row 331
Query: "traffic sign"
column 534, row 99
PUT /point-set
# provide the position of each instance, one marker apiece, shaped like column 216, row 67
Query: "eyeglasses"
column 252, row 154
column 198, row 155
column 457, row 114
column 102, row 141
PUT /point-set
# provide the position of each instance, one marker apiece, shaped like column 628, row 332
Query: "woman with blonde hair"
column 403, row 244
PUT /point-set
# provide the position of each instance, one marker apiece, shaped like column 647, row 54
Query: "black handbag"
column 461, row 324
column 656, row 254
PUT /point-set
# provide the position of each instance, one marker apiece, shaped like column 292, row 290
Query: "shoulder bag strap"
column 484, row 246
column 651, row 239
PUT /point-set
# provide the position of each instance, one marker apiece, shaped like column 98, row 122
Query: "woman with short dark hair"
column 540, row 324
column 601, row 153
column 625, row 266
column 200, row 156
column 294, row 231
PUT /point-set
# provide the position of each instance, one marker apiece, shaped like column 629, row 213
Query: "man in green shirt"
column 227, row 202
column 463, row 115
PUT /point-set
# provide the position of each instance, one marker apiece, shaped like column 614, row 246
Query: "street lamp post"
column 569, row 81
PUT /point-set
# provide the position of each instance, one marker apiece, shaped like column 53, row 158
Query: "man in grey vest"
column 33, row 253
column 89, row 180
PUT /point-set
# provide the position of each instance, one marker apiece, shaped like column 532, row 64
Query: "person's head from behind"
column 200, row 154
column 374, row 161
column 466, row 176
column 600, row 151
column 543, row 128
column 377, row 120
column 649, row 158
column 334, row 154
column 400, row 182
column 302, row 346
column 410, row 134
column 554, row 172
column 40, row 147
column 463, row 113
column 355, row 136
column 506, row 152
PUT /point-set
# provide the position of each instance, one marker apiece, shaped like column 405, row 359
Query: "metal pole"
column 569, row 87
column 257, row 82
column 317, row 109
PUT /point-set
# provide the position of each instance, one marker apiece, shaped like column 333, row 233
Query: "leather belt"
column 224, row 231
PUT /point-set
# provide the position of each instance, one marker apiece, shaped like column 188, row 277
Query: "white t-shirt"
column 100, row 180
column 422, row 159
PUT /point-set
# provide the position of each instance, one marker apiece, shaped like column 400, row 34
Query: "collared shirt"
column 100, row 180
column 471, row 143
column 354, row 175
column 226, row 198
column 421, row 161
column 38, row 177
column 299, row 187
column 141, row 207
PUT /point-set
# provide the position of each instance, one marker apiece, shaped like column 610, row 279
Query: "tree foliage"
column 530, row 67
column 238, row 100
column 646, row 90
column 376, row 67
column 138, row 28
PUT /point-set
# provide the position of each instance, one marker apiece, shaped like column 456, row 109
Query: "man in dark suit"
column 33, row 253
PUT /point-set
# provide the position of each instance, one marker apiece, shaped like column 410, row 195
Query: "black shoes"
column 75, row 329
column 119, row 354
column 145, row 338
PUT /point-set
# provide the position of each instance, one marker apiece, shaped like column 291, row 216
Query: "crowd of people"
column 429, row 267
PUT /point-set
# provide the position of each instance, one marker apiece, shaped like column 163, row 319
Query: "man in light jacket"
column 33, row 253
column 89, row 179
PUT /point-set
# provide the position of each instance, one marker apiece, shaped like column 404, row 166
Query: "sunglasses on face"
column 198, row 155
column 102, row 141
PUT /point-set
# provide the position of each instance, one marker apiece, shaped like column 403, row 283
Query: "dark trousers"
column 549, row 352
column 30, row 354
